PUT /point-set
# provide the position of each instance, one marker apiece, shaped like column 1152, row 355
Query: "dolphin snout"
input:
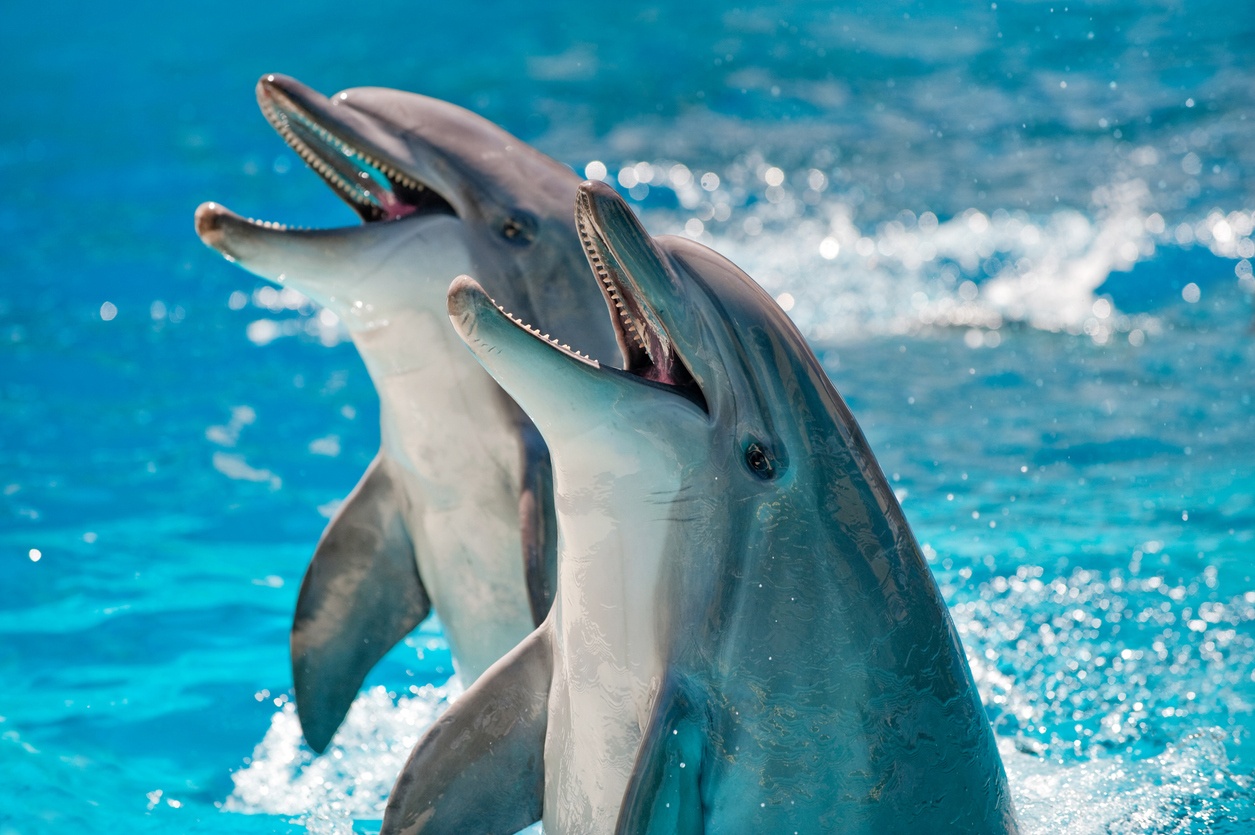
column 208, row 221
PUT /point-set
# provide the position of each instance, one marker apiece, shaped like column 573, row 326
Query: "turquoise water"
column 1019, row 237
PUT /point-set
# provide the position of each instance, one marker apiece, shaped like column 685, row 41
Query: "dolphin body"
column 455, row 512
column 745, row 637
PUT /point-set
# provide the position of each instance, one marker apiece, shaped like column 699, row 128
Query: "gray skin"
column 455, row 513
column 746, row 637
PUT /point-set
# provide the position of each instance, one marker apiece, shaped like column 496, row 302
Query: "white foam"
column 976, row 270
column 351, row 781
column 1164, row 794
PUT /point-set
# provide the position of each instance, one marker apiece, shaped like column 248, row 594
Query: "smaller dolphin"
column 455, row 513
column 746, row 637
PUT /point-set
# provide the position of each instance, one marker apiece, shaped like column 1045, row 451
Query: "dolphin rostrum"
column 455, row 513
column 746, row 637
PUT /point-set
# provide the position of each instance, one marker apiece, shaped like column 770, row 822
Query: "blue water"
column 1018, row 234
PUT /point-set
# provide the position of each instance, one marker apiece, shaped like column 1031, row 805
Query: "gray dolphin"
column 745, row 637
column 455, row 512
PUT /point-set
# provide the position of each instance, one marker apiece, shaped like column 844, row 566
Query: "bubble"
column 35, row 555
column 267, row 297
column 263, row 331
column 108, row 310
column 1191, row 293
column 595, row 170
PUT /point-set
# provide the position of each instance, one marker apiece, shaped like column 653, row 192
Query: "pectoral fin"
column 481, row 766
column 537, row 521
column 361, row 594
column 664, row 792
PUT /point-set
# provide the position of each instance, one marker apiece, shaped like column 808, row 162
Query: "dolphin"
column 745, row 637
column 455, row 512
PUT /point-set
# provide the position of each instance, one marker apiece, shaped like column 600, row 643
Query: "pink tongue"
column 392, row 207
column 383, row 197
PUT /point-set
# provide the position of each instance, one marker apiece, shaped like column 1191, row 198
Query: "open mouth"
column 363, row 177
column 649, row 352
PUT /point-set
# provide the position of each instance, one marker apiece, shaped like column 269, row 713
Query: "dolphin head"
column 436, row 187
column 721, row 399
column 711, row 368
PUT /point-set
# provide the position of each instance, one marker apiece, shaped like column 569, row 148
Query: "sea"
column 1018, row 234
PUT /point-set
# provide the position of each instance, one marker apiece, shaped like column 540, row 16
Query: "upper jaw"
column 347, row 149
column 638, row 284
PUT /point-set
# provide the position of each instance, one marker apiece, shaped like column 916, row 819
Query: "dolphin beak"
column 339, row 268
column 214, row 224
column 543, row 376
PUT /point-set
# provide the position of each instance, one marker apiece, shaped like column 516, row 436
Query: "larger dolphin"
column 455, row 512
column 746, row 637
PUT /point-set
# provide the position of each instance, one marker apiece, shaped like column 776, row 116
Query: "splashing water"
column 1019, row 235
column 1091, row 682
column 352, row 778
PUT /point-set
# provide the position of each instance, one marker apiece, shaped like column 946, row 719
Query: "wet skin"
column 746, row 637
column 455, row 513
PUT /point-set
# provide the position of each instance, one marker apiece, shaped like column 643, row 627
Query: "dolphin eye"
column 519, row 229
column 759, row 460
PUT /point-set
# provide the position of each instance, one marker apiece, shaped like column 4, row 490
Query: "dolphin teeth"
column 536, row 332
column 286, row 118
column 631, row 328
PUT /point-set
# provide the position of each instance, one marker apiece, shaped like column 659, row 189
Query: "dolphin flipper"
column 361, row 594
column 664, row 792
column 539, row 527
column 481, row 766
